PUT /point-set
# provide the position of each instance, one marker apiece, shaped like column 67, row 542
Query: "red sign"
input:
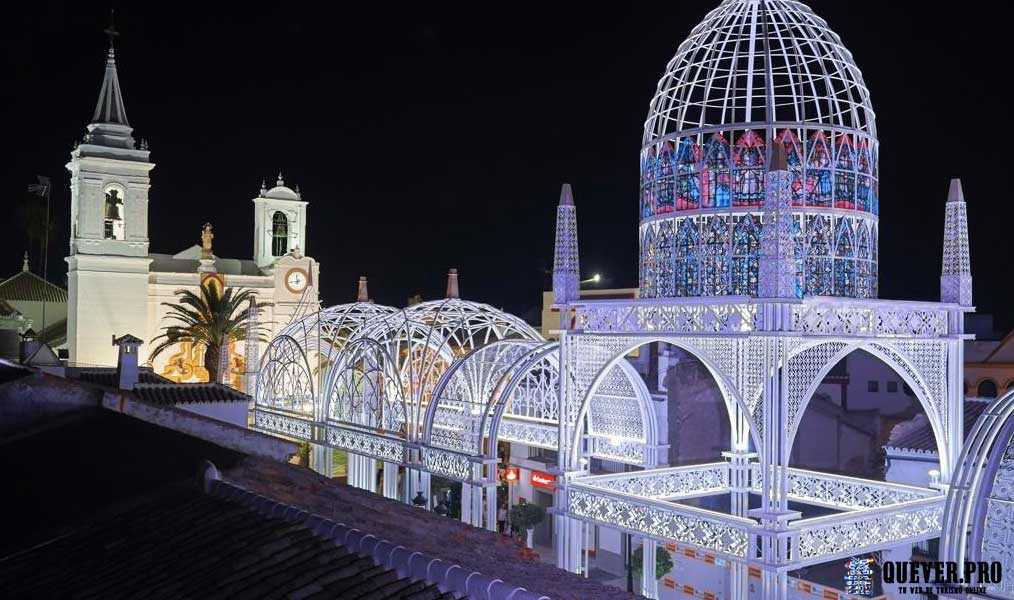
column 543, row 480
column 511, row 474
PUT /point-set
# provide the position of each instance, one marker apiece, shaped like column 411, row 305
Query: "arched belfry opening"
column 279, row 234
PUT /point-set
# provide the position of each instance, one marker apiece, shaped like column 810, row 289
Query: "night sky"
column 431, row 139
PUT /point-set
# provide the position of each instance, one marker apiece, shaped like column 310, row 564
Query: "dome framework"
column 752, row 74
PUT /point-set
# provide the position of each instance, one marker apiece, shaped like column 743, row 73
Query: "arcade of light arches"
column 432, row 388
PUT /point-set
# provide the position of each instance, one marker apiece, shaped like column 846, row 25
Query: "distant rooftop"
column 917, row 433
column 29, row 287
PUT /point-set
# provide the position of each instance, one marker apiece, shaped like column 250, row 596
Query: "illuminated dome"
column 751, row 72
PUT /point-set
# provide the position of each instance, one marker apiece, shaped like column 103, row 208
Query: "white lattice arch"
column 729, row 393
column 897, row 363
column 284, row 378
column 494, row 383
column 367, row 365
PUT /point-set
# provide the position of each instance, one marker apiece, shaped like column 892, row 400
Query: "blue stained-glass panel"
column 844, row 175
column 818, row 172
column 688, row 180
column 664, row 172
column 818, row 260
column 749, row 175
column 687, row 260
column 715, row 262
column 664, row 260
column 715, row 176
column 648, row 263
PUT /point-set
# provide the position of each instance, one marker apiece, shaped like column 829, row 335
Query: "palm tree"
column 211, row 319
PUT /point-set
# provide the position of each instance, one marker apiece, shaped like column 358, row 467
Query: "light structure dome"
column 754, row 72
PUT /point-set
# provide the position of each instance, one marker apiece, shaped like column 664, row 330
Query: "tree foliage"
column 210, row 319
column 663, row 562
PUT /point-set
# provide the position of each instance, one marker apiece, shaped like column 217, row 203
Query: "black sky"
column 426, row 139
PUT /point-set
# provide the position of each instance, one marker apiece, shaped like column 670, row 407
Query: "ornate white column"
column 777, row 277
column 649, row 585
column 390, row 480
column 251, row 351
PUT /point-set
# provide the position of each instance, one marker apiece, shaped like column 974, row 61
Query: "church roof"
column 29, row 287
column 188, row 260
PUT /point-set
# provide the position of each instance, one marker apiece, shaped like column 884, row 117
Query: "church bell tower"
column 108, row 261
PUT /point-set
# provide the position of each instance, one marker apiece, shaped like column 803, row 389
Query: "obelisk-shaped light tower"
column 956, row 274
column 566, row 267
column 252, row 350
column 777, row 264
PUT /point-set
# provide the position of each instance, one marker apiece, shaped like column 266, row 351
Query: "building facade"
column 117, row 285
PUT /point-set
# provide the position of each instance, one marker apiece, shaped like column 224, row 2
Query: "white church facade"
column 117, row 286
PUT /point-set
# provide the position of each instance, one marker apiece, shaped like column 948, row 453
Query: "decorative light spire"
column 452, row 284
column 109, row 109
column 251, row 353
column 956, row 274
column 777, row 265
column 566, row 267
column 364, row 294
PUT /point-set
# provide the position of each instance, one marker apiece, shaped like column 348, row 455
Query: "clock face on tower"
column 295, row 280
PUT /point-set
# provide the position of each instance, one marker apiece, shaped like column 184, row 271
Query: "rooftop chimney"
column 126, row 362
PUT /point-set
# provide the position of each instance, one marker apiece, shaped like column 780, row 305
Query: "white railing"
column 837, row 536
column 739, row 314
column 666, row 484
column 842, row 492
column 720, row 533
column 869, row 317
column 683, row 315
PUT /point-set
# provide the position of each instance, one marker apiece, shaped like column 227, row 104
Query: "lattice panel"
column 845, row 493
column 867, row 532
column 929, row 359
column 661, row 521
column 287, row 426
column 366, row 444
column 660, row 484
column 447, row 464
column 530, row 434
column 803, row 370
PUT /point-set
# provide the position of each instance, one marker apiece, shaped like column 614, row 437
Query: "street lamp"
column 593, row 279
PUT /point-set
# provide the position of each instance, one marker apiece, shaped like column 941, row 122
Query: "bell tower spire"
column 956, row 274
column 107, row 268
column 566, row 268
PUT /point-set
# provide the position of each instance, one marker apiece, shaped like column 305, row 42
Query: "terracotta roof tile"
column 917, row 433
column 182, row 543
column 170, row 394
